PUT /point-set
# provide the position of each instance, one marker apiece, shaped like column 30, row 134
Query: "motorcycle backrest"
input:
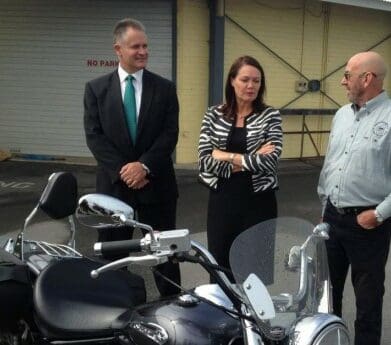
column 59, row 198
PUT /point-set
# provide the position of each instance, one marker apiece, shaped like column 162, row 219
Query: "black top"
column 239, row 182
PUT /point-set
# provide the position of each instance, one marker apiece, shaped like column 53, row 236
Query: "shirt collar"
column 123, row 74
column 372, row 103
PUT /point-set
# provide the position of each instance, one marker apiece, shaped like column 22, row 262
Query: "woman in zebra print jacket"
column 239, row 147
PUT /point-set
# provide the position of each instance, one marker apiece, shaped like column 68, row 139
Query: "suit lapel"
column 117, row 110
column 146, row 100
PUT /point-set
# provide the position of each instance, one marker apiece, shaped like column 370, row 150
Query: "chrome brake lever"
column 146, row 260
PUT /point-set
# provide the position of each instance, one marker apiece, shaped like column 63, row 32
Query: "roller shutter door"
column 49, row 50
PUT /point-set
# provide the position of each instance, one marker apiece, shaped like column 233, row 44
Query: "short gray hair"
column 121, row 27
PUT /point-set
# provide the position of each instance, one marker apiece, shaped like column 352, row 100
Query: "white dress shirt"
column 137, row 84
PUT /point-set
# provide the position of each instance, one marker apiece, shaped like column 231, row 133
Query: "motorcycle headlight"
column 334, row 334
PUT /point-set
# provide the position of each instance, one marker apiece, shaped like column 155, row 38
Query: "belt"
column 354, row 210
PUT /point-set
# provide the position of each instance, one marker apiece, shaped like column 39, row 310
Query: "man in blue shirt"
column 355, row 191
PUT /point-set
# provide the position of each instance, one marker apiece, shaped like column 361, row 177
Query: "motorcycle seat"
column 70, row 305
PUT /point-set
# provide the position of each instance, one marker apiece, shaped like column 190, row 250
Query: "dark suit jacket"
column 109, row 140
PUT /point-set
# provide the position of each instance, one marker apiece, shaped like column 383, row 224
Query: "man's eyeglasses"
column 348, row 75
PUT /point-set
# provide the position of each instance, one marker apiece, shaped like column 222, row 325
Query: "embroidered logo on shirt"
column 380, row 129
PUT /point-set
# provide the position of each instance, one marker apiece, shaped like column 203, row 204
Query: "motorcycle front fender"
column 319, row 329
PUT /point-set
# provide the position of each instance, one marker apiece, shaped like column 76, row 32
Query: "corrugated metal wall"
column 48, row 50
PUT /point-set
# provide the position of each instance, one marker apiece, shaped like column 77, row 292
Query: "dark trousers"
column 366, row 251
column 230, row 214
column 160, row 216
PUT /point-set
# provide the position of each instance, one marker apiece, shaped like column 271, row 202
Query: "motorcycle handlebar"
column 164, row 245
column 117, row 248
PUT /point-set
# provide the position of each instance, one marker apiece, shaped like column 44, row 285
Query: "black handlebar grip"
column 117, row 249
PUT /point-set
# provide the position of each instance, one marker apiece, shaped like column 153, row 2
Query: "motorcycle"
column 281, row 293
column 43, row 284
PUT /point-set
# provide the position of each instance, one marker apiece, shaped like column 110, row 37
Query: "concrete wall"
column 192, row 74
column 315, row 38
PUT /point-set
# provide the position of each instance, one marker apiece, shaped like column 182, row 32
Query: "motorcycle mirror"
column 259, row 298
column 322, row 230
column 102, row 211
column 293, row 259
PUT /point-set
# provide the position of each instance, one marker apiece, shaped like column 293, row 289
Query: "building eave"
column 383, row 5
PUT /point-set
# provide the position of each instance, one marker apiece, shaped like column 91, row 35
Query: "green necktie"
column 130, row 108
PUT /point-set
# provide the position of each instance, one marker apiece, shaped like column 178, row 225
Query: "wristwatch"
column 379, row 217
column 145, row 168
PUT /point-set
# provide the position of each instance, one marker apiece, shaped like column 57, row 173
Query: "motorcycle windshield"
column 292, row 265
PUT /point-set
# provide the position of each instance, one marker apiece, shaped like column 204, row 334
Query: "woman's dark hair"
column 229, row 108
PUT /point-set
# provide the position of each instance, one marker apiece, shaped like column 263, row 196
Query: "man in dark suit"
column 134, row 155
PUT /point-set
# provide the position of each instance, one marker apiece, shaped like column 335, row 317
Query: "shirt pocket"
column 371, row 152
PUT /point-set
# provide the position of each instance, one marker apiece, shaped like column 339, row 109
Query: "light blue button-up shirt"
column 357, row 167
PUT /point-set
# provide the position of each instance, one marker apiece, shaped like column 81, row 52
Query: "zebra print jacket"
column 261, row 128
